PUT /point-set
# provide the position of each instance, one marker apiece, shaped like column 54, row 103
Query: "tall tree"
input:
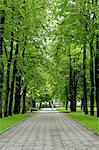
column 8, row 77
column 13, row 79
column 23, row 100
column 17, row 94
column 92, row 77
column 97, row 59
column 97, row 73
column 2, row 20
column 84, row 80
column 71, row 83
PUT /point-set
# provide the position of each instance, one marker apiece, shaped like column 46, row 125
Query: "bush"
column 34, row 109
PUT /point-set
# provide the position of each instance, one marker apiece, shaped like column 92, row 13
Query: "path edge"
column 14, row 125
column 97, row 134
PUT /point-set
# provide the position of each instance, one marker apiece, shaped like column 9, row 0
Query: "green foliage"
column 50, row 33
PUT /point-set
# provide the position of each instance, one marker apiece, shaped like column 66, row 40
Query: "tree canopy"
column 49, row 50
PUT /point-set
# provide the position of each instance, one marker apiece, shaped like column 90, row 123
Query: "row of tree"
column 48, row 50
column 76, row 52
column 21, row 55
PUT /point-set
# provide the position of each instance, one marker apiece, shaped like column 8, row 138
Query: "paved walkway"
column 49, row 131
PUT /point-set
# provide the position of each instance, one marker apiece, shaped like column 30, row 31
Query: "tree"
column 8, row 77
column 2, row 20
column 13, row 79
column 97, row 61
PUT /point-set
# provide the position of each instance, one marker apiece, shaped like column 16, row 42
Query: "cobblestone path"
column 49, row 130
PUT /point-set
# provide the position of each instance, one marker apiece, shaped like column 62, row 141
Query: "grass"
column 91, row 122
column 62, row 110
column 10, row 121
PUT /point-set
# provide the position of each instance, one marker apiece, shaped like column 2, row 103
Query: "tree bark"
column 67, row 98
column 74, row 89
column 84, row 80
column 92, row 79
column 74, row 94
column 8, row 77
column 82, row 104
column 23, row 86
column 71, row 84
column 23, row 100
column 17, row 95
column 97, row 63
column 13, row 79
column 97, row 73
column 33, row 103
column 2, row 20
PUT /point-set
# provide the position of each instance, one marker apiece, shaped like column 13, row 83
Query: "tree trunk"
column 2, row 20
column 97, row 63
column 23, row 88
column 33, row 103
column 40, row 104
column 67, row 98
column 17, row 95
column 71, row 84
column 75, row 93
column 13, row 79
column 8, row 77
column 74, row 90
column 84, row 80
column 92, row 79
column 23, row 100
column 82, row 104
column 97, row 73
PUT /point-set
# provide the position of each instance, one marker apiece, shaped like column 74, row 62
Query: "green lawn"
column 86, row 120
column 9, row 121
column 62, row 110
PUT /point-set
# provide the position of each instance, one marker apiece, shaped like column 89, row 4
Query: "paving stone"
column 49, row 130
